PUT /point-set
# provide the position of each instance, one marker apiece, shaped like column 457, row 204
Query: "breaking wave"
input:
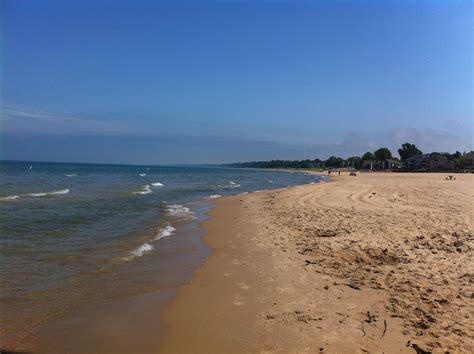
column 40, row 194
column 165, row 232
column 10, row 197
column 140, row 251
column 214, row 196
column 44, row 194
column 145, row 190
column 157, row 184
column 181, row 211
column 148, row 247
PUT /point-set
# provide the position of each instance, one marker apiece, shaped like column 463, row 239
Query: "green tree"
column 459, row 162
column 456, row 155
column 333, row 161
column 367, row 156
column 354, row 161
column 408, row 150
column 382, row 154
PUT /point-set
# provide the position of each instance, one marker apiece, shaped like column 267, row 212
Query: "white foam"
column 157, row 184
column 165, row 232
column 142, row 174
column 44, row 194
column 140, row 251
column 180, row 211
column 72, row 175
column 260, row 190
column 244, row 193
column 10, row 197
column 214, row 196
column 40, row 194
column 145, row 190
column 270, row 181
column 234, row 185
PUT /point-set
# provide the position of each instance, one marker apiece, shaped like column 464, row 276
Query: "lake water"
column 71, row 234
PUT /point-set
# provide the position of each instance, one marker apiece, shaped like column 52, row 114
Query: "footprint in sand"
column 244, row 286
column 238, row 300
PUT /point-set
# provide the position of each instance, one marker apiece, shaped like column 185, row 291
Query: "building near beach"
column 440, row 162
column 416, row 163
column 379, row 165
column 469, row 161
column 429, row 162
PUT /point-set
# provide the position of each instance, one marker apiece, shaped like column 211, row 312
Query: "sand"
column 381, row 262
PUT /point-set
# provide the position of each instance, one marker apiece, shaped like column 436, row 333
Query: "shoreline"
column 265, row 288
column 79, row 322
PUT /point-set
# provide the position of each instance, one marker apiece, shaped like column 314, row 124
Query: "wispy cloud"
column 292, row 143
column 20, row 121
column 353, row 142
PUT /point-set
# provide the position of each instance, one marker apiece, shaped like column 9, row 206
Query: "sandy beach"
column 381, row 262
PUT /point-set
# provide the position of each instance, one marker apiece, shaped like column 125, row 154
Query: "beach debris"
column 351, row 284
column 371, row 317
column 384, row 328
column 417, row 348
column 308, row 262
column 328, row 233
column 363, row 329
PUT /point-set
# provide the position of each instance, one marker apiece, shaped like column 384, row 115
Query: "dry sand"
column 381, row 262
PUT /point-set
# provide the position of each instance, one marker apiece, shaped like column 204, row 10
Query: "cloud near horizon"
column 21, row 121
column 215, row 146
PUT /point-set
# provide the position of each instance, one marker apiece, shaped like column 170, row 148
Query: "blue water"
column 60, row 222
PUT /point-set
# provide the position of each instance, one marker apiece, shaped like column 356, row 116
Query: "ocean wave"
column 142, row 174
column 180, row 211
column 165, row 232
column 10, row 197
column 72, row 175
column 148, row 247
column 140, row 251
column 45, row 194
column 234, row 185
column 214, row 196
column 270, row 181
column 145, row 190
column 244, row 193
column 157, row 184
column 40, row 194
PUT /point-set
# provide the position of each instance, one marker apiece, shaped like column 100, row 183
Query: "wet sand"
column 377, row 262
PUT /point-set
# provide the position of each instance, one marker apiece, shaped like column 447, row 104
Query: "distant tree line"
column 406, row 151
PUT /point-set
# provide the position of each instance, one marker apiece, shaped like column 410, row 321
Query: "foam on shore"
column 180, row 211
column 165, row 232
column 140, row 251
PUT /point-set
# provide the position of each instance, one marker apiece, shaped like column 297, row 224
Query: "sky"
column 155, row 82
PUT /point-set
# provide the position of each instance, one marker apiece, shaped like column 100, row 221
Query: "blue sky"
column 206, row 82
